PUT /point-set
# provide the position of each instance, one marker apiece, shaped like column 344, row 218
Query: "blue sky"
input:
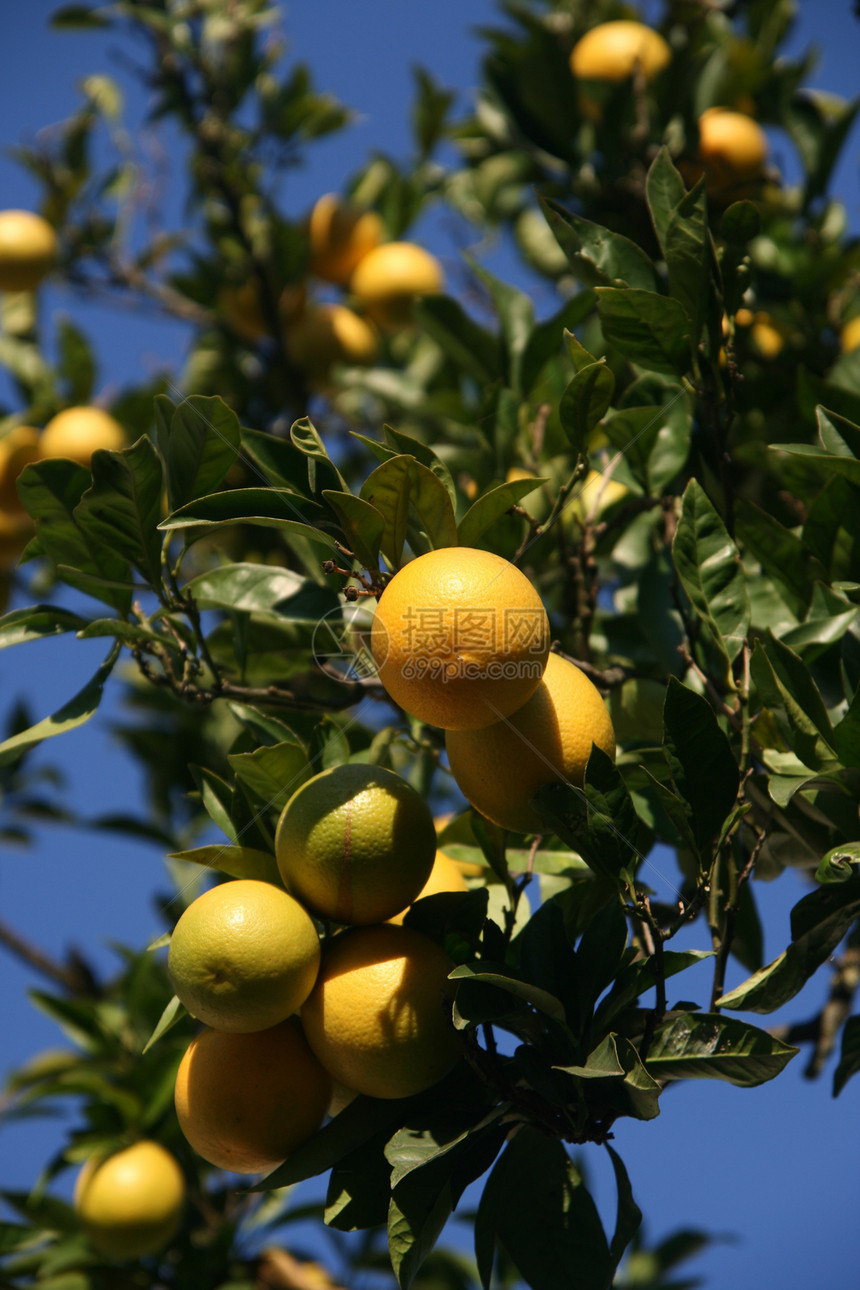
column 777, row 1165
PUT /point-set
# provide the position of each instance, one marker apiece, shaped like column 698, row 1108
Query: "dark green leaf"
column 363, row 525
column 516, row 316
column 491, row 506
column 415, row 1223
column 267, row 507
column 350, row 1129
column 598, row 256
column 849, row 1056
column 524, row 990
column 785, row 684
column 709, row 567
column 472, row 349
column 628, row 1214
column 541, row 1212
column 359, row 1191
column 387, row 489
column 322, row 472
column 585, row 401
column 261, row 589
column 783, row 556
column 650, row 330
column 71, row 715
column 706, row 1045
column 36, row 622
column 51, row 490
column 123, row 506
column 235, row 861
column 681, row 223
column 76, row 16
column 202, row 445
column 741, row 222
column 701, row 761
column 77, row 366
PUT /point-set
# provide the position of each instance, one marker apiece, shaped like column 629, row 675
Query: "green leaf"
column 819, row 922
column 71, row 715
column 516, row 316
column 849, row 1057
column 545, row 343
column 76, row 366
column 585, row 402
column 650, row 330
column 355, row 1125
column 359, row 1191
column 628, row 1217
column 123, row 506
column 174, row 1011
column 71, row 17
column 274, row 508
column 839, row 864
column 784, row 557
column 599, row 257
column 538, row 1208
column 216, row 796
column 741, row 222
column 524, row 990
column 701, row 761
column 430, row 499
column 655, row 439
column 235, row 861
column 785, row 685
column 261, row 589
column 36, row 622
column 272, row 773
column 491, row 506
column 407, row 443
column 710, row 570
column 472, row 349
column 202, row 445
column 415, row 1224
column 322, row 472
column 363, row 525
column 681, row 223
column 51, row 491
column 703, row 1045
column 131, row 634
column 401, row 483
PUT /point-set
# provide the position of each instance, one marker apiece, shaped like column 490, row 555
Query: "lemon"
column 388, row 280
column 78, row 432
column 732, row 148
column 17, row 449
column 849, row 337
column 243, row 956
column 341, row 235
column 131, row 1203
column 244, row 1102
column 612, row 51
column 355, row 844
column 378, row 1017
column 500, row 768
column 444, row 876
column 28, row 250
column 330, row 333
column 460, row 638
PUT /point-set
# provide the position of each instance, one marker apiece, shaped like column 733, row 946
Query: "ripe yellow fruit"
column 378, row 1017
column 389, row 278
column 732, row 148
column 244, row 1102
column 130, row 1204
column 460, row 638
column 500, row 768
column 78, row 432
column 355, row 844
column 18, row 449
column 244, row 956
column 340, row 236
column 849, row 337
column 329, row 333
column 612, row 51
column 444, row 876
column 28, row 250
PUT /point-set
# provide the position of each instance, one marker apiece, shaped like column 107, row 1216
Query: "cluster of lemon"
column 291, row 1028
column 732, row 148
column 347, row 249
column 461, row 640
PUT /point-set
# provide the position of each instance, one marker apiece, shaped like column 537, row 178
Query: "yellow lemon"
column 849, row 337
column 500, row 768
column 378, row 1017
column 732, row 149
column 28, row 250
column 243, row 956
column 130, row 1204
column 389, row 278
column 244, row 1102
column 355, row 844
column 340, row 236
column 329, row 333
column 78, row 432
column 460, row 638
column 444, row 876
column 17, row 449
column 612, row 51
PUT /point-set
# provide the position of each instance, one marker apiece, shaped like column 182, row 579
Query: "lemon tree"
column 569, row 557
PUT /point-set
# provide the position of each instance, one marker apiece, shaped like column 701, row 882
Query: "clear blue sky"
column 776, row 1166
